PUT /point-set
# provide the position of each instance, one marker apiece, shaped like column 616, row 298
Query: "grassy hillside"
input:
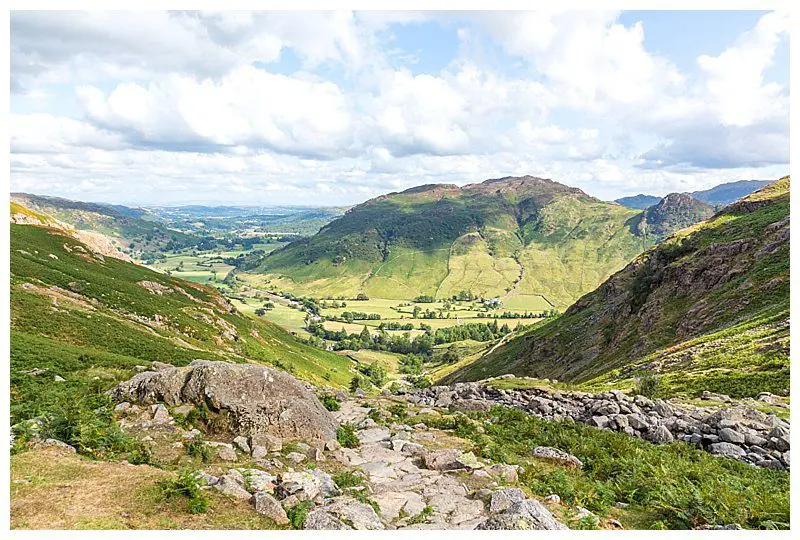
column 708, row 308
column 512, row 236
column 131, row 228
column 90, row 320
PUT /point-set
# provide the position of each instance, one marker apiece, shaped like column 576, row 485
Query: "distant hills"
column 506, row 237
column 727, row 193
column 717, row 196
column 129, row 228
column 708, row 309
column 639, row 202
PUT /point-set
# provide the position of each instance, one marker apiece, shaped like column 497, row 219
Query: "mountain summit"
column 513, row 236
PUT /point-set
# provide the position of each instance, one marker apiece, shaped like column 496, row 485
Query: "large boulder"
column 524, row 515
column 257, row 400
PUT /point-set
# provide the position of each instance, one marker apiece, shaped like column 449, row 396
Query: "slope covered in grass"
column 90, row 320
column 518, row 236
column 708, row 308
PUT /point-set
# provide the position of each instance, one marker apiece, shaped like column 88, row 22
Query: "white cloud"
column 734, row 80
column 164, row 104
column 247, row 107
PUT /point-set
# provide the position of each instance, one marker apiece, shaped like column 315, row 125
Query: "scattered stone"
column 266, row 505
column 259, row 452
column 241, row 443
column 360, row 515
column 552, row 499
column 231, row 485
column 727, row 449
column 522, row 516
column 558, row 456
column 503, row 499
column 226, row 453
column 295, row 457
column 320, row 520
column 121, row 408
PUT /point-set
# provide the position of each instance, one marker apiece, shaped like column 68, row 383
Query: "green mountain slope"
column 708, row 307
column 130, row 228
column 78, row 315
column 511, row 236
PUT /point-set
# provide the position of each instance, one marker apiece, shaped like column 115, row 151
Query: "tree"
column 362, row 296
column 355, row 383
column 261, row 312
column 365, row 337
column 377, row 375
column 451, row 355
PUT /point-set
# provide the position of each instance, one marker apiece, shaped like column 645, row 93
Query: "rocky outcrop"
column 256, row 400
column 742, row 433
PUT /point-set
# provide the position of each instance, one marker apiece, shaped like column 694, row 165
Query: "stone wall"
column 738, row 432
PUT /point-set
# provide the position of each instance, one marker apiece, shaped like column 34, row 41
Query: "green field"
column 203, row 266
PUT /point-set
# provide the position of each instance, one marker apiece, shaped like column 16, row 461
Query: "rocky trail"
column 267, row 443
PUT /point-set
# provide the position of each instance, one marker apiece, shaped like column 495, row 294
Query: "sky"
column 170, row 108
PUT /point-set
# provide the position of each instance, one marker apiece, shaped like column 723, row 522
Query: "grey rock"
column 660, row 435
column 727, row 449
column 266, row 505
column 320, row 520
column 259, row 452
column 730, row 436
column 241, row 442
column 524, row 515
column 231, row 485
column 558, row 456
column 257, row 399
column 361, row 515
column 503, row 499
column 295, row 457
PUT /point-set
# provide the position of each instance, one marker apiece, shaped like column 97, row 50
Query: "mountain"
column 638, row 202
column 708, row 308
column 83, row 317
column 506, row 237
column 128, row 228
column 672, row 213
column 725, row 194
